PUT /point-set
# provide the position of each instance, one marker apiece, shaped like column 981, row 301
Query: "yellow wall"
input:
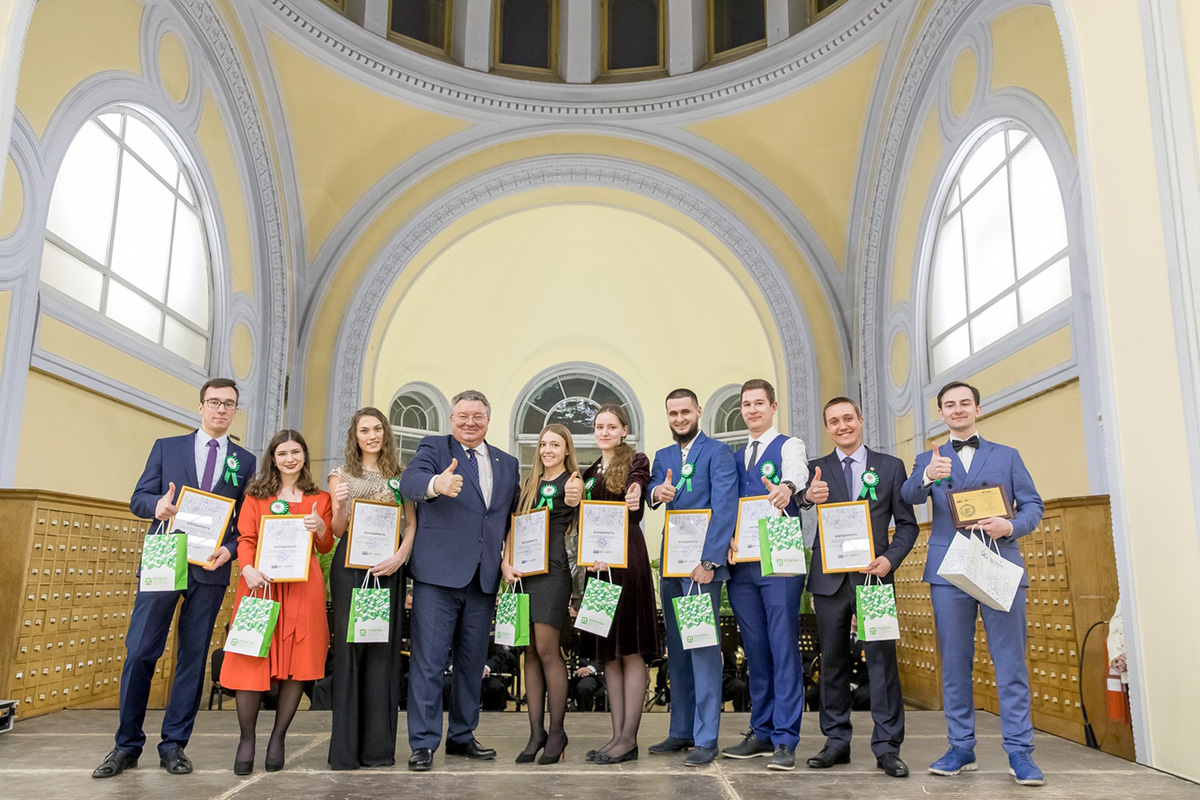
column 12, row 199
column 1028, row 54
column 214, row 138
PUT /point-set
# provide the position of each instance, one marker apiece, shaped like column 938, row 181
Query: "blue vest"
column 750, row 480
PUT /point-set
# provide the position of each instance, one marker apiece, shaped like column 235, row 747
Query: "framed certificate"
column 529, row 542
column 204, row 518
column 845, row 536
column 683, row 545
column 373, row 534
column 745, row 535
column 968, row 506
column 284, row 548
column 603, row 533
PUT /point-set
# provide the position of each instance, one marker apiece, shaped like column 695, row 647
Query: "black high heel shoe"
column 273, row 766
column 554, row 758
column 243, row 767
column 528, row 758
column 607, row 758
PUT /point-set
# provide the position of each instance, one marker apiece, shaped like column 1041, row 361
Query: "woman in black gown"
column 621, row 474
column 555, row 484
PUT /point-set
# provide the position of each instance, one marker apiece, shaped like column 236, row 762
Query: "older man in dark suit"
column 470, row 491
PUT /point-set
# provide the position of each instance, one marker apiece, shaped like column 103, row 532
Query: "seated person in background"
column 734, row 686
column 501, row 665
column 586, row 686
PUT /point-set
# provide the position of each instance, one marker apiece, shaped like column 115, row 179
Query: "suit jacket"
column 714, row 486
column 457, row 535
column 173, row 460
column 992, row 465
column 890, row 506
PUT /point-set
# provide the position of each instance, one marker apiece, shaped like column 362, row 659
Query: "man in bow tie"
column 972, row 462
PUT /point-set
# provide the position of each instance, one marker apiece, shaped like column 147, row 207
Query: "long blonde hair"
column 530, row 489
column 388, row 463
column 622, row 458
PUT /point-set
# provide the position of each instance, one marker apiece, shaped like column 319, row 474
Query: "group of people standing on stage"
column 458, row 494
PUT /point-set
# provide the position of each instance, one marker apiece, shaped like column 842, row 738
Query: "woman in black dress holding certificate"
column 366, row 677
column 555, row 485
column 621, row 475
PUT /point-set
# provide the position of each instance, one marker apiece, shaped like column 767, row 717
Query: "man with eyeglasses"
column 207, row 460
column 470, row 490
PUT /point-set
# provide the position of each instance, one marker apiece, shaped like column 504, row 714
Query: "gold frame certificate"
column 968, row 506
column 844, row 536
column 603, row 533
column 529, row 542
column 745, row 534
column 683, row 542
column 284, row 548
column 373, row 534
column 204, row 517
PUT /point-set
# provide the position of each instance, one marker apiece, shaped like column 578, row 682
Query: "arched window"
column 1000, row 252
column 734, row 24
column 424, row 21
column 571, row 399
column 724, row 422
column 633, row 35
column 525, row 36
column 415, row 414
column 125, row 236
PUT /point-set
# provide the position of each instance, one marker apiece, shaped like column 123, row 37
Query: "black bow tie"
column 959, row 444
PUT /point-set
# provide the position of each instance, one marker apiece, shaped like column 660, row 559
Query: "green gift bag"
column 599, row 606
column 164, row 562
column 695, row 619
column 253, row 625
column 370, row 613
column 781, row 546
column 512, row 618
column 875, row 608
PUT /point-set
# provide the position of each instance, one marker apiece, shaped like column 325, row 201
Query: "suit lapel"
column 977, row 461
column 838, row 476
column 470, row 476
column 958, row 473
column 189, row 460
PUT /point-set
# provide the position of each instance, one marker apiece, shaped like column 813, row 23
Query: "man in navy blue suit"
column 850, row 473
column 767, row 608
column 470, row 491
column 968, row 461
column 205, row 459
column 707, row 479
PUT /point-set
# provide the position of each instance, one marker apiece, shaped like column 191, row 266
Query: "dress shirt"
column 795, row 457
column 201, row 453
column 484, row 462
column 858, row 465
column 965, row 455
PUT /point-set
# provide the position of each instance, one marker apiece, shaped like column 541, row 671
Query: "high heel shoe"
column 554, row 758
column 273, row 766
column 528, row 758
column 243, row 767
column 607, row 758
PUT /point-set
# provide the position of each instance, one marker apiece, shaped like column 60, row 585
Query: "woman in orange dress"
column 300, row 643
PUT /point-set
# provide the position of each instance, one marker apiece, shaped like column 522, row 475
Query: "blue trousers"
column 954, row 614
column 695, row 674
column 448, row 626
column 768, row 617
column 149, row 625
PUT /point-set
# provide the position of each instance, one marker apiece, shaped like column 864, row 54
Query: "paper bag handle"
column 989, row 541
column 160, row 529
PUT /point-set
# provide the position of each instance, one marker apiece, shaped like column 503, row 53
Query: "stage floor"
column 52, row 757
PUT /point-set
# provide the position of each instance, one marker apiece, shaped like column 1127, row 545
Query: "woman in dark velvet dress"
column 556, row 484
column 621, row 475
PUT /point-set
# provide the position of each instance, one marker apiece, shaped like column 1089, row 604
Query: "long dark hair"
column 268, row 481
column 389, row 462
column 622, row 460
column 530, row 490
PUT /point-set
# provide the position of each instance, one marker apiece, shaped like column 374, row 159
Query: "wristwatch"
column 708, row 565
column 790, row 485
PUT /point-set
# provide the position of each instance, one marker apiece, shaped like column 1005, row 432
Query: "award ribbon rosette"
column 695, row 619
column 875, row 608
column 685, row 477
column 870, row 479
column 588, row 485
column 253, row 625
column 980, row 571
column 370, row 612
column 547, row 497
column 164, row 562
column 770, row 472
column 599, row 606
column 781, row 546
column 231, row 469
column 512, row 618
column 394, row 485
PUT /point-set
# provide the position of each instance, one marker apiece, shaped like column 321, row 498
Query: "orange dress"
column 301, row 639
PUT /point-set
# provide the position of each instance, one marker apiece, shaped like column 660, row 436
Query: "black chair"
column 216, row 690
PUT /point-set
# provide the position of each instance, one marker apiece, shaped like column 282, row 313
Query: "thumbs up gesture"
column 939, row 466
column 818, row 490
column 447, row 482
column 166, row 506
column 666, row 491
column 779, row 493
column 633, row 497
column 314, row 523
column 573, row 492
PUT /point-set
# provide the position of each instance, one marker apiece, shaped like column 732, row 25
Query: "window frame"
column 417, row 44
column 733, row 52
column 435, row 399
column 712, row 414
column 519, row 69
column 815, row 13
column 605, row 6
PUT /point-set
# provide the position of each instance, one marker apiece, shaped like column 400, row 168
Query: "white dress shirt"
column 795, row 457
column 201, row 451
column 484, row 460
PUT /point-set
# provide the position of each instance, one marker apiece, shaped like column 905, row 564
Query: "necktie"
column 971, row 441
column 210, row 466
column 753, row 454
column 846, row 462
column 473, row 463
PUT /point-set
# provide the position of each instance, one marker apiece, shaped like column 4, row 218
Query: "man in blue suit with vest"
column 205, row 459
column 855, row 472
column 768, row 608
column 969, row 461
column 707, row 479
column 470, row 490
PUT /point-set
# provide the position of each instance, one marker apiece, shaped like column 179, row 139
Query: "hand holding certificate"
column 603, row 533
column 204, row 518
column 683, row 546
column 745, row 536
column 373, row 534
column 284, row 547
column 529, row 542
column 845, row 536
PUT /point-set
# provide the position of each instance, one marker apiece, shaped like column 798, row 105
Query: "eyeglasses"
column 463, row 419
column 228, row 405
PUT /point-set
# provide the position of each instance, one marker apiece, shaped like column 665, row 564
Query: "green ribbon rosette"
column 231, row 469
column 280, row 506
column 870, row 480
column 548, row 493
column 770, row 472
column 685, row 477
column 588, row 485
column 394, row 485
